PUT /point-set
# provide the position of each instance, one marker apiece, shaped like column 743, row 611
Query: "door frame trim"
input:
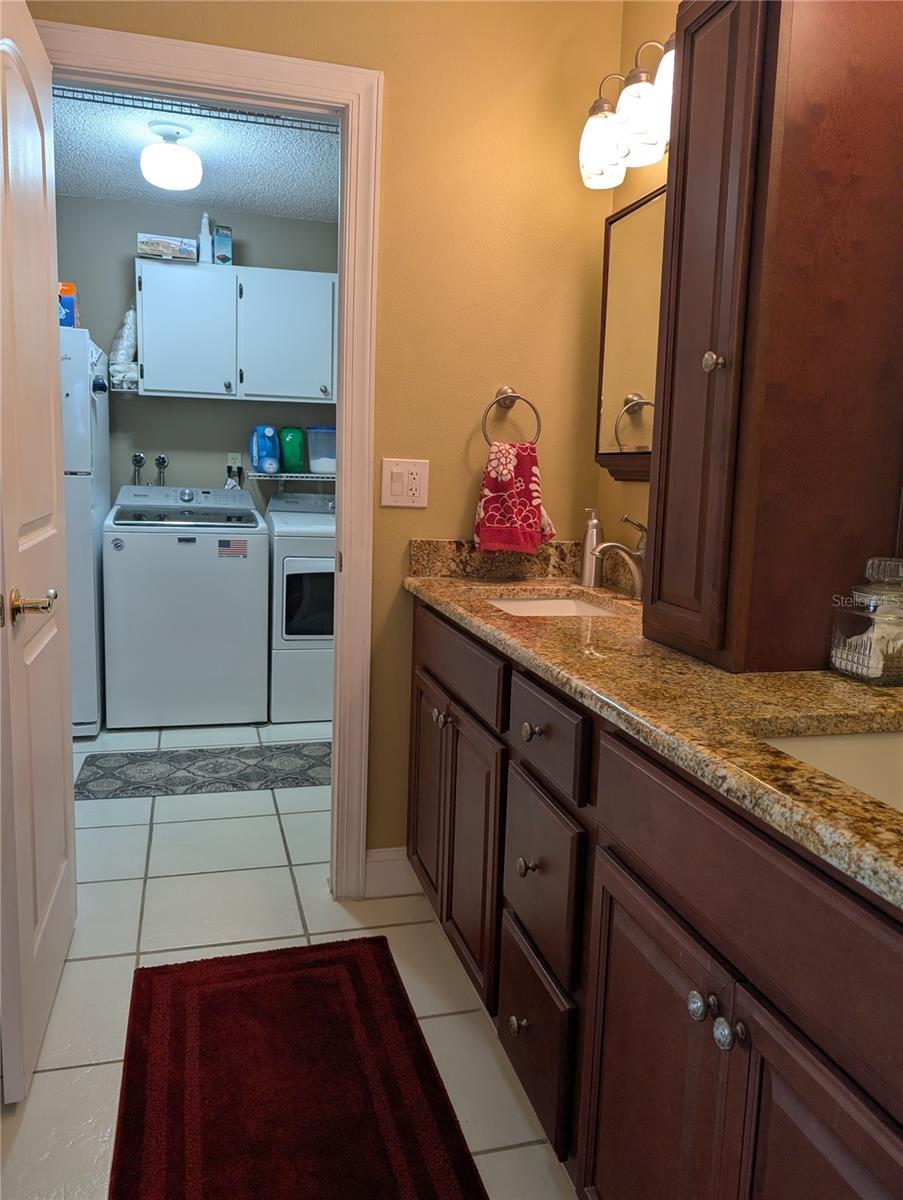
column 103, row 56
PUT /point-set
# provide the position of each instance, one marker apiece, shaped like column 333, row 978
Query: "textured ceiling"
column 257, row 168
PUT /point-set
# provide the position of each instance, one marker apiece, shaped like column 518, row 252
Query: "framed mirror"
column 631, row 288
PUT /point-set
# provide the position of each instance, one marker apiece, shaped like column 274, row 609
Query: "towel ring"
column 506, row 397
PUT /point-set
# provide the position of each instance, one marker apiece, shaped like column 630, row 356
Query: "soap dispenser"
column 591, row 566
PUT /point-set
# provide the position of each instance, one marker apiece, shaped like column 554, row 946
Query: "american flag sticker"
column 232, row 548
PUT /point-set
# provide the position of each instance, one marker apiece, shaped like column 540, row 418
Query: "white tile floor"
column 171, row 878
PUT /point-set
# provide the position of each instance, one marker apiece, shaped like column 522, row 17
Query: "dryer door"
column 305, row 609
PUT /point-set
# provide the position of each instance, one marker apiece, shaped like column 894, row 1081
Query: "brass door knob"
column 522, row 866
column 19, row 606
column 517, row 1027
column 528, row 732
column 713, row 362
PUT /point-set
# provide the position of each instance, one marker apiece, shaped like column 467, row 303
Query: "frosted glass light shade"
column 664, row 88
column 602, row 153
column 171, row 166
column 640, row 114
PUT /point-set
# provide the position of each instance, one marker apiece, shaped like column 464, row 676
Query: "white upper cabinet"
column 286, row 334
column 247, row 332
column 186, row 329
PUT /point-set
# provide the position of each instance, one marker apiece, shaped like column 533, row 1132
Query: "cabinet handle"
column 699, row 1007
column 435, row 715
column 324, row 389
column 528, row 732
column 442, row 720
column 522, row 867
column 516, row 1028
column 713, row 362
column 228, row 385
column 725, row 1034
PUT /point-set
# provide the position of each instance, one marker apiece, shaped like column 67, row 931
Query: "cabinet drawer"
column 535, row 1024
column 550, row 736
column 472, row 673
column 833, row 965
column 543, row 859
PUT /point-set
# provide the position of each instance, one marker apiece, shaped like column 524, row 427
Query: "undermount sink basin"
column 551, row 606
column 871, row 762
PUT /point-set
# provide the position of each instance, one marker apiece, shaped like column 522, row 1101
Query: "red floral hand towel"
column 510, row 515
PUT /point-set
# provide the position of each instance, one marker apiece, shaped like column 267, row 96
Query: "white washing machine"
column 186, row 585
column 302, row 532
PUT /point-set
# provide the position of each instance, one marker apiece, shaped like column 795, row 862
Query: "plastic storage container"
column 321, row 449
column 867, row 638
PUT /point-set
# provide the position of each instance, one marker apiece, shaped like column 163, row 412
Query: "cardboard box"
column 222, row 244
column 162, row 245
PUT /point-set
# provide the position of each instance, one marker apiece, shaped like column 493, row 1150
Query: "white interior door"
column 35, row 735
column 286, row 334
column 186, row 329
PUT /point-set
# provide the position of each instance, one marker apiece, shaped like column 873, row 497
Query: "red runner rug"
column 296, row 1074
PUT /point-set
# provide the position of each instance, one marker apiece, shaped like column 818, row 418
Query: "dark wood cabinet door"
column 710, row 193
column 654, row 1084
column 473, row 823
column 810, row 1134
column 426, row 792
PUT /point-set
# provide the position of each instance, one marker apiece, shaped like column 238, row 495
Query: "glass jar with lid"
column 867, row 638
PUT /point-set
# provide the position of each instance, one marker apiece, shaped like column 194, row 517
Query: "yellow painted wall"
column 489, row 259
column 643, row 19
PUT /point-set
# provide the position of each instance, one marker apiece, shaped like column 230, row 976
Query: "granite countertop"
column 708, row 722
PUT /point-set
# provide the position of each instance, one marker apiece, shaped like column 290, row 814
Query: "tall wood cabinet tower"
column 778, row 459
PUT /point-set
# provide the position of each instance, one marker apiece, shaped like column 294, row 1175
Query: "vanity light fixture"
column 167, row 164
column 635, row 132
column 603, row 150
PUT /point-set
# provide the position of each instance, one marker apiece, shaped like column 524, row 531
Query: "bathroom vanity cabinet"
column 778, row 445
column 235, row 332
column 694, row 1008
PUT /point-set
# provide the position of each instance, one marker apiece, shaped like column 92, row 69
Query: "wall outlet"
column 233, row 459
column 405, row 482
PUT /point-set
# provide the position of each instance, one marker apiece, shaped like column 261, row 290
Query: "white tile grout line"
column 288, row 856
column 150, row 838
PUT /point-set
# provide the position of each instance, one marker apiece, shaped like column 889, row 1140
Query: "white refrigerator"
column 86, row 465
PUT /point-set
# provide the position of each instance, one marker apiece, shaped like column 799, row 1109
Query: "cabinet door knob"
column 441, row 720
column 522, row 866
column 228, row 385
column 699, row 1006
column 713, row 362
column 726, row 1034
column 515, row 1027
column 324, row 389
column 435, row 715
column 528, row 732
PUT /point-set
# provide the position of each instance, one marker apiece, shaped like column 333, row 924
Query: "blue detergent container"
column 265, row 450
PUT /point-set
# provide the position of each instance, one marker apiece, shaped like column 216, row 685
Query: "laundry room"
column 198, row 296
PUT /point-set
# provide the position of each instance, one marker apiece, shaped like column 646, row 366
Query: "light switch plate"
column 405, row 482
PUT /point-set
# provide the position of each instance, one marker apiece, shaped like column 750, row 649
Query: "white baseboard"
column 390, row 874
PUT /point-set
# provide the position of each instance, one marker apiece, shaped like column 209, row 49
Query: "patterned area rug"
column 220, row 769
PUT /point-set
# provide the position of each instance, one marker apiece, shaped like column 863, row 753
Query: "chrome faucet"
column 635, row 559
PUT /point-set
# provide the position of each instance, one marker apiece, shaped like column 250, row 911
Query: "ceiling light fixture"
column 167, row 164
column 603, row 152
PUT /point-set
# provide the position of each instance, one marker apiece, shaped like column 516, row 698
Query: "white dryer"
column 185, row 608
column 302, row 532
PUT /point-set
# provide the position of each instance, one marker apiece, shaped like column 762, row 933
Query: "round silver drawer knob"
column 696, row 1005
column 435, row 715
column 324, row 389
column 725, row 1034
column 713, row 362
column 528, row 732
column 228, row 385
column 522, row 866
column 517, row 1027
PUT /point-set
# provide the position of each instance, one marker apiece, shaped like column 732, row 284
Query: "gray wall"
column 96, row 245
